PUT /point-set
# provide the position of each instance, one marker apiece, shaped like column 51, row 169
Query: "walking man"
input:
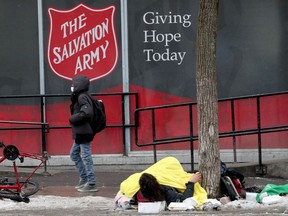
column 82, row 134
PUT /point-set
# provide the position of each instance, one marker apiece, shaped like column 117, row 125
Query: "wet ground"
column 61, row 182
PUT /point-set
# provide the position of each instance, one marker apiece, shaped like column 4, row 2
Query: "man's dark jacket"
column 172, row 195
column 81, row 110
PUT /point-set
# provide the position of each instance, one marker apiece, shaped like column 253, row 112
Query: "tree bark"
column 207, row 99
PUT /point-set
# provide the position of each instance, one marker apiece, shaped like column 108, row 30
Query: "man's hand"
column 195, row 177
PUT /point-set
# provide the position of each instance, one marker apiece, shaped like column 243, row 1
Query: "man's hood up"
column 81, row 83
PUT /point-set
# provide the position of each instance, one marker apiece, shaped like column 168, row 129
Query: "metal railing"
column 190, row 137
column 45, row 127
column 193, row 137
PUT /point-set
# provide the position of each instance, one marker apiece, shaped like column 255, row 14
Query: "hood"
column 80, row 83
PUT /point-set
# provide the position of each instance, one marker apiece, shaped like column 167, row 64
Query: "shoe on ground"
column 88, row 188
column 80, row 184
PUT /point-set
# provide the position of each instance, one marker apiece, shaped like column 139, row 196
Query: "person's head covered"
column 150, row 188
column 80, row 83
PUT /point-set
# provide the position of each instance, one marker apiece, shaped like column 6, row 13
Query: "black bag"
column 98, row 122
column 232, row 173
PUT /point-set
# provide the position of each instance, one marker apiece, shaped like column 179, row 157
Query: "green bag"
column 272, row 189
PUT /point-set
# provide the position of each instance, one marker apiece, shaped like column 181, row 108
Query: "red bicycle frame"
column 18, row 186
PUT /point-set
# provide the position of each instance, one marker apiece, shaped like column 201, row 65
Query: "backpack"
column 228, row 188
column 98, row 122
column 232, row 183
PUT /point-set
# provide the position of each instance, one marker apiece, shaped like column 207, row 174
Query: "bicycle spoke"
column 30, row 188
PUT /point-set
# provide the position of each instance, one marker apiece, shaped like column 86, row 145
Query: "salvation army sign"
column 82, row 41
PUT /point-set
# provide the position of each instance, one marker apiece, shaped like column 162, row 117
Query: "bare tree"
column 207, row 99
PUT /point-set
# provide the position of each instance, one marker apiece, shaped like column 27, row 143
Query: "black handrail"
column 45, row 127
column 190, row 137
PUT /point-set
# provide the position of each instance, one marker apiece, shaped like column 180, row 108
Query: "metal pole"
column 125, row 74
column 191, row 136
column 123, row 124
column 41, row 75
column 154, row 135
column 233, row 129
column 259, row 133
column 41, row 49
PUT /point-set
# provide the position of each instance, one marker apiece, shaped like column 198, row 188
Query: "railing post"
column 233, row 130
column 259, row 134
column 123, row 126
column 154, row 135
column 261, row 170
column 191, row 136
column 43, row 133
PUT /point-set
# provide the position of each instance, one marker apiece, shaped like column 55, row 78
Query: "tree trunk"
column 207, row 100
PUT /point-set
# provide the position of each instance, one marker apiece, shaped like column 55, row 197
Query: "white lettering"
column 63, row 28
column 87, row 60
column 154, row 18
column 104, row 49
column 56, row 51
column 83, row 41
column 82, row 18
column 159, row 37
column 73, row 25
column 167, row 55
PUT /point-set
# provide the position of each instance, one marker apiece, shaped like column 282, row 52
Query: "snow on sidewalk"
column 103, row 203
column 248, row 204
column 58, row 202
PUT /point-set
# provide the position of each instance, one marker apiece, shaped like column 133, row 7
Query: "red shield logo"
column 82, row 41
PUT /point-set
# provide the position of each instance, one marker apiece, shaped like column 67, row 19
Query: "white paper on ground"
column 151, row 207
column 251, row 196
column 177, row 206
column 190, row 203
column 271, row 199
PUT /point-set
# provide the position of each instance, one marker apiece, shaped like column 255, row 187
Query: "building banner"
column 82, row 40
column 85, row 37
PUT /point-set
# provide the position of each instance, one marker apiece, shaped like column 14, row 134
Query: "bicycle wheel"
column 28, row 189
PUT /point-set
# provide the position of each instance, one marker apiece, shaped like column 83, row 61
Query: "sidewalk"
column 61, row 182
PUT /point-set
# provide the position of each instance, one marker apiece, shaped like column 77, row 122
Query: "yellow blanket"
column 167, row 171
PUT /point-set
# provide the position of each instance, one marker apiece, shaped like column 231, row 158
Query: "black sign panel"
column 162, row 45
column 251, row 46
column 19, row 63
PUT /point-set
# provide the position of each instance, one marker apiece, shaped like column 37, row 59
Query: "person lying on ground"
column 151, row 190
column 169, row 172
